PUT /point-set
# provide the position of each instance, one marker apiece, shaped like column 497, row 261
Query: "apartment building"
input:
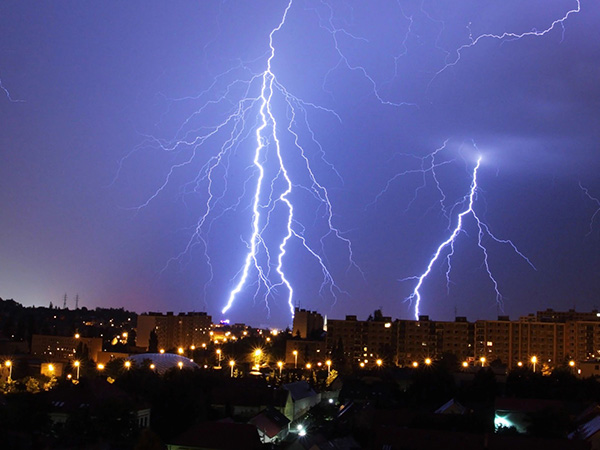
column 173, row 331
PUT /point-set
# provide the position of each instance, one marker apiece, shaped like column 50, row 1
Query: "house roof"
column 220, row 436
column 299, row 390
column 451, row 407
column 270, row 421
column 587, row 430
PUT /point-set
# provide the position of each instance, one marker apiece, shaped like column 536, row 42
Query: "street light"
column 295, row 353
column 328, row 363
column 51, row 367
column 465, row 364
column 308, row 366
column 231, row 364
column 482, row 360
column 379, row 362
column 280, row 365
column 257, row 355
column 100, row 366
column 427, row 361
column 415, row 364
column 77, row 364
column 571, row 363
column 533, row 361
column 219, row 357
column 180, row 364
column 180, row 350
column 152, row 366
column 8, row 364
column 127, row 364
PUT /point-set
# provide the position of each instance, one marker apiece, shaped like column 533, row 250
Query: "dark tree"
column 153, row 342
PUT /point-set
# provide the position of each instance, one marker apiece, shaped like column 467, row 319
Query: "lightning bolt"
column 596, row 201
column 8, row 96
column 254, row 102
column 506, row 37
column 268, row 122
column 447, row 246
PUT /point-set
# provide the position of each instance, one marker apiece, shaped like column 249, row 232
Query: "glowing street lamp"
column 482, row 361
column 427, row 361
column 257, row 355
column 77, row 364
column 127, row 364
column 415, row 364
column 231, row 364
column 571, row 363
column 100, row 366
column 465, row 364
column 328, row 363
column 162, row 350
column 180, row 350
column 51, row 368
column 308, row 366
column 219, row 357
column 280, row 365
column 534, row 361
column 379, row 362
column 180, row 364
column 295, row 353
column 152, row 366
column 8, row 364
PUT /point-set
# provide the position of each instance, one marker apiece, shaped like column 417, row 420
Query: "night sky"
column 98, row 94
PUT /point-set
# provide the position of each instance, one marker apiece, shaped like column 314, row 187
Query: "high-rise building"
column 307, row 324
column 361, row 341
column 173, row 331
column 65, row 348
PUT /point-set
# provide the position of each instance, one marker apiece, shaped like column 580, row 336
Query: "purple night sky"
column 97, row 94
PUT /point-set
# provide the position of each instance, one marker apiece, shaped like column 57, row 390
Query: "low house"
column 272, row 425
column 301, row 397
column 588, row 426
column 217, row 436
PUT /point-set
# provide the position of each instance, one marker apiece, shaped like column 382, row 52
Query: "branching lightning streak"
column 8, row 96
column 327, row 23
column 508, row 36
column 254, row 117
column 596, row 201
column 483, row 230
column 269, row 84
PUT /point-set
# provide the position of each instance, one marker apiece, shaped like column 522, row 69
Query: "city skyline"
column 392, row 106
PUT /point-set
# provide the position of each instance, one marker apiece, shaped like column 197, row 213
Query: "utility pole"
column 76, row 301
column 65, row 301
